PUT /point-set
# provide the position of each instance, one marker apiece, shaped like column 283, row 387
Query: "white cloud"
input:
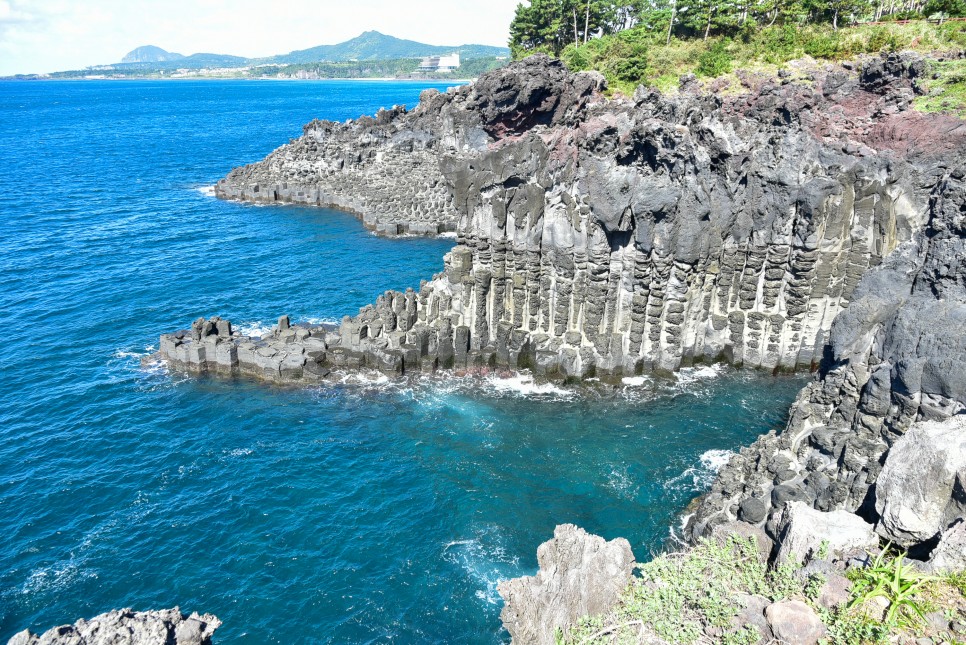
column 51, row 35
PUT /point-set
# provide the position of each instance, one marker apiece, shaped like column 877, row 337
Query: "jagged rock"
column 805, row 532
column 128, row 627
column 950, row 554
column 603, row 238
column 580, row 574
column 794, row 623
column 922, row 487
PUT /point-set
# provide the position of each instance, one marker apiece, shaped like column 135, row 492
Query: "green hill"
column 373, row 45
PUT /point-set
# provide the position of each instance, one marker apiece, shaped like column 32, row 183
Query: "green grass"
column 679, row 594
column 947, row 92
column 694, row 596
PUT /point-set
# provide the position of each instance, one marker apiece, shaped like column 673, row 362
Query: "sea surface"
column 366, row 511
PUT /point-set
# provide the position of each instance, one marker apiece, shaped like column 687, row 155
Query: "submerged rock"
column 128, row 627
column 580, row 575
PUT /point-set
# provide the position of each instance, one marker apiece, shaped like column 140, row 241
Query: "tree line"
column 550, row 25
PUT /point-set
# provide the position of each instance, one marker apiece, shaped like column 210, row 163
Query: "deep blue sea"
column 369, row 511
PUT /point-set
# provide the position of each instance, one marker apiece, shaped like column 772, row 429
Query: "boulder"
column 919, row 492
column 580, row 574
column 805, row 532
column 764, row 544
column 794, row 623
column 128, row 627
column 752, row 612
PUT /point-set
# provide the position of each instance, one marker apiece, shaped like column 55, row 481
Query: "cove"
column 365, row 511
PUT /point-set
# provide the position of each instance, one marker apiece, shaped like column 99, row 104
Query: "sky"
column 39, row 36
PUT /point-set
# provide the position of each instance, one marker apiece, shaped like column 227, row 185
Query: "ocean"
column 367, row 511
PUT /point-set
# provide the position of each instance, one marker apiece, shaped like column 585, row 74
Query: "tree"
column 550, row 25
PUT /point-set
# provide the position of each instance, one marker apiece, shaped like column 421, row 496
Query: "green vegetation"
column 946, row 88
column 639, row 56
column 698, row 594
column 655, row 42
column 551, row 25
column 679, row 595
column 891, row 578
column 393, row 68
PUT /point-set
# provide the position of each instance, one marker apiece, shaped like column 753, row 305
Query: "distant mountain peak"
column 149, row 54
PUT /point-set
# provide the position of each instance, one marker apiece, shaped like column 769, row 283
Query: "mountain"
column 149, row 54
column 372, row 45
column 195, row 61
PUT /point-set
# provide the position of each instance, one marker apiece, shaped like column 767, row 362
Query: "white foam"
column 255, row 329
column 700, row 476
column 321, row 321
column 522, row 384
column 55, row 578
column 448, row 235
column 207, row 191
column 486, row 565
column 634, row 381
column 715, row 460
column 691, row 375
column 365, row 377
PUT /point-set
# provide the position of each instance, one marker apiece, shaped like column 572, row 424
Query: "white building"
column 440, row 63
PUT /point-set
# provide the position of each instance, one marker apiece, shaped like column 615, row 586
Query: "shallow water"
column 369, row 511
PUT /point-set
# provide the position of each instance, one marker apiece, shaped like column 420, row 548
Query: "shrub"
column 881, row 38
column 715, row 61
column 777, row 45
column 825, row 46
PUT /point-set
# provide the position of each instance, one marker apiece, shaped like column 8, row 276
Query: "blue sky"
column 53, row 35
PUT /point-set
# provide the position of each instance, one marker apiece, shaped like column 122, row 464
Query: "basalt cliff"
column 815, row 222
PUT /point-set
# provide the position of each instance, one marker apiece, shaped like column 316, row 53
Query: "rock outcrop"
column 606, row 238
column 580, row 575
column 818, row 226
column 127, row 627
column 896, row 357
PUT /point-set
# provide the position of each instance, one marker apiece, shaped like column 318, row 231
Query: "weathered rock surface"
column 128, row 627
column 896, row 357
column 950, row 554
column 611, row 237
column 794, row 623
column 580, row 575
column 922, row 487
column 806, row 533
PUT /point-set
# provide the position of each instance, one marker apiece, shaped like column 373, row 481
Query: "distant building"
column 440, row 63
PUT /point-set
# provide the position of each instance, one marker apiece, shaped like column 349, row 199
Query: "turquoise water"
column 369, row 511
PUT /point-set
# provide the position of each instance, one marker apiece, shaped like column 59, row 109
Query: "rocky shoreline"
column 815, row 222
column 128, row 627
